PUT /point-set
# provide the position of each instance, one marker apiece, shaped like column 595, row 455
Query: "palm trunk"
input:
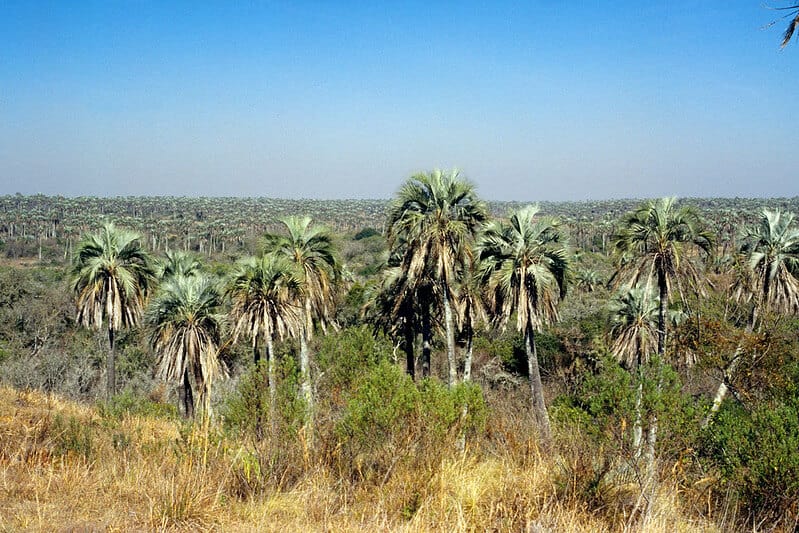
column 256, row 355
column 662, row 309
column 452, row 377
column 460, row 444
column 111, row 388
column 467, row 364
column 270, row 355
column 639, row 396
column 427, row 333
column 537, row 390
column 186, row 396
column 205, row 402
column 410, row 358
column 305, row 374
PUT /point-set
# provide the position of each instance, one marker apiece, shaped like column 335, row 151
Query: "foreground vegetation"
column 617, row 370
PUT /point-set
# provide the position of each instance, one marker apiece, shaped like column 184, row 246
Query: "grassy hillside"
column 68, row 467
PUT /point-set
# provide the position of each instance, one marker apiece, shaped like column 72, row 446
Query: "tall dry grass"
column 65, row 467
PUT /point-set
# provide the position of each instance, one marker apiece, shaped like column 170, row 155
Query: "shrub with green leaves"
column 387, row 419
column 246, row 411
column 757, row 453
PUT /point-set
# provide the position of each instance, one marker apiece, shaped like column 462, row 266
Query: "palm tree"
column 525, row 265
column 178, row 263
column 310, row 248
column 655, row 242
column 768, row 281
column 112, row 278
column 793, row 14
column 264, row 293
column 431, row 225
column 634, row 336
column 186, row 333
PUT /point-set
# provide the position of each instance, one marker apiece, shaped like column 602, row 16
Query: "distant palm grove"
column 642, row 355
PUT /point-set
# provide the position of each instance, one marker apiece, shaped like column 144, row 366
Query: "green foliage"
column 757, row 450
column 72, row 436
column 387, row 419
column 381, row 406
column 246, row 411
column 442, row 408
column 603, row 407
column 363, row 234
column 128, row 403
column 344, row 355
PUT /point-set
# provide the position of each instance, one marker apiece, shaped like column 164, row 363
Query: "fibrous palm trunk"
column 410, row 357
column 452, row 376
column 305, row 372
column 270, row 355
column 427, row 334
column 537, row 389
column 186, row 396
column 111, row 388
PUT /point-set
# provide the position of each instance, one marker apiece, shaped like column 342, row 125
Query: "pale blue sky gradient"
column 538, row 100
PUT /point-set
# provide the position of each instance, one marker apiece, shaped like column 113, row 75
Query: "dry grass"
column 63, row 467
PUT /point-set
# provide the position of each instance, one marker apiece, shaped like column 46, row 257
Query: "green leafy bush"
column 757, row 453
column 388, row 419
column 130, row 403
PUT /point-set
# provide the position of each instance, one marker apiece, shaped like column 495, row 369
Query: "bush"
column 129, row 403
column 757, row 454
column 246, row 411
column 346, row 355
column 388, row 419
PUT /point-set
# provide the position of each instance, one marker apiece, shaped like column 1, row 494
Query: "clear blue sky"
column 536, row 100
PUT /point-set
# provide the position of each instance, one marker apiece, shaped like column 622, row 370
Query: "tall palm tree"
column 264, row 293
column 524, row 263
column 186, row 333
column 654, row 245
column 431, row 226
column 112, row 278
column 177, row 263
column 770, row 251
column 310, row 248
column 634, row 334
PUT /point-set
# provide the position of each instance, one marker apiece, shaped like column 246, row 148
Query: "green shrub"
column 382, row 404
column 388, row 419
column 757, row 453
column 130, row 403
column 246, row 411
column 345, row 355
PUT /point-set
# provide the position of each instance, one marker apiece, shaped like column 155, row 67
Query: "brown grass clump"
column 66, row 467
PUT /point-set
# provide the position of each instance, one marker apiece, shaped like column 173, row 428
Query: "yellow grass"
column 63, row 467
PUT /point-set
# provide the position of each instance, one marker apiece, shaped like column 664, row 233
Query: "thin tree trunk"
column 639, row 395
column 452, row 377
column 721, row 393
column 111, row 388
column 205, row 402
column 186, row 396
column 460, row 444
column 410, row 357
column 467, row 365
column 426, row 342
column 305, row 375
column 270, row 355
column 637, row 426
column 537, row 390
column 662, row 309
